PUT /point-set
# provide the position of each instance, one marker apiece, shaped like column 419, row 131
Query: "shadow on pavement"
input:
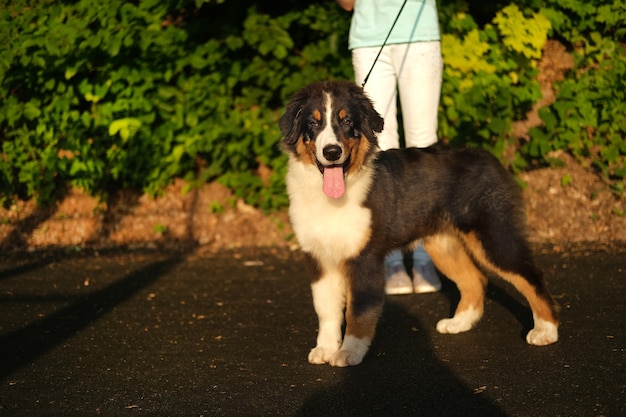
column 401, row 376
column 228, row 334
column 26, row 267
column 22, row 346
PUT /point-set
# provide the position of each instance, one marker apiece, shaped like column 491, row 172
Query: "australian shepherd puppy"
column 351, row 204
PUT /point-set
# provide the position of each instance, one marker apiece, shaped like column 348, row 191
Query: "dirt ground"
column 565, row 205
column 582, row 211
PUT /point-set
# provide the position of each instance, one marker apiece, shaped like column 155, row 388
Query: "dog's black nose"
column 332, row 152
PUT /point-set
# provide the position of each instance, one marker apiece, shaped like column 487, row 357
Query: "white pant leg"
column 381, row 88
column 419, row 66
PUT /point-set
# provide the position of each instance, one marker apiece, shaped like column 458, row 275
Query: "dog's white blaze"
column 331, row 229
column 461, row 322
column 327, row 136
column 544, row 333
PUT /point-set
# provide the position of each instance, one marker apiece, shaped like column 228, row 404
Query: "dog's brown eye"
column 347, row 122
column 314, row 123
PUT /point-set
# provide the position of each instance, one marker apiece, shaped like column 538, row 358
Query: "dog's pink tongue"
column 334, row 185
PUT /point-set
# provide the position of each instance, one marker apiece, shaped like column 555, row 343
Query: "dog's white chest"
column 331, row 229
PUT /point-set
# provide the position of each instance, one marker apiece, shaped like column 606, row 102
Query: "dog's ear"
column 289, row 123
column 376, row 121
column 371, row 120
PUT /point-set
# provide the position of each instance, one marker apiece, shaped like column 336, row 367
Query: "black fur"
column 461, row 203
column 467, row 189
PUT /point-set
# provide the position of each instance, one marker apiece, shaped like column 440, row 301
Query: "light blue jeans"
column 420, row 257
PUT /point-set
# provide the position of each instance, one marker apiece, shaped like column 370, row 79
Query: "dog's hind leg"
column 365, row 298
column 512, row 260
column 451, row 258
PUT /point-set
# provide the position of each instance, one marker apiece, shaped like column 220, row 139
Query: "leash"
column 384, row 43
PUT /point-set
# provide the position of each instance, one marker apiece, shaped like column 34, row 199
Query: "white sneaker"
column 397, row 281
column 425, row 278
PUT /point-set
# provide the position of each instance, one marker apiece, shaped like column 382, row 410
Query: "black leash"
column 384, row 43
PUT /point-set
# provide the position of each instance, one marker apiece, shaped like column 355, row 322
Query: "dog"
column 351, row 204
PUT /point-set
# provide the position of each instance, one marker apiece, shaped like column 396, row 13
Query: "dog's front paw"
column 345, row 357
column 352, row 352
column 544, row 333
column 461, row 322
column 320, row 355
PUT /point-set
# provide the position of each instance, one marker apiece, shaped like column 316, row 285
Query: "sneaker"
column 397, row 281
column 425, row 278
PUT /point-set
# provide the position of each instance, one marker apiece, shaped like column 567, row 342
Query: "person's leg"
column 425, row 278
column 420, row 69
column 397, row 280
column 381, row 88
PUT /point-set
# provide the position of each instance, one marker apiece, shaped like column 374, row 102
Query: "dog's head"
column 333, row 126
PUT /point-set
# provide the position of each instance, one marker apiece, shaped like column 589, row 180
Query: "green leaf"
column 31, row 110
column 126, row 127
column 548, row 118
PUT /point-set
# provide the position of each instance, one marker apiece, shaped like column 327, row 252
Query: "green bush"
column 489, row 78
column 117, row 95
column 588, row 118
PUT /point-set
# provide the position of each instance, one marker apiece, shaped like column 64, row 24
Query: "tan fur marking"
column 317, row 115
column 363, row 326
column 540, row 308
column 343, row 113
column 359, row 149
column 451, row 258
column 304, row 152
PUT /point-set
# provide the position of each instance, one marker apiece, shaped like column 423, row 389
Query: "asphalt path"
column 181, row 334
